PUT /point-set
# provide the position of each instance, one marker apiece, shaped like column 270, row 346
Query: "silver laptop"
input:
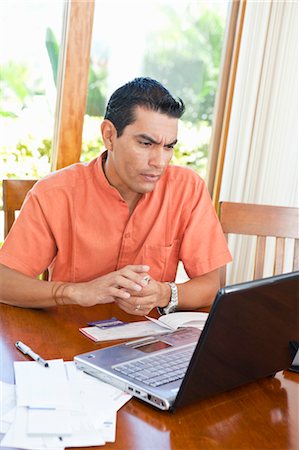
column 249, row 334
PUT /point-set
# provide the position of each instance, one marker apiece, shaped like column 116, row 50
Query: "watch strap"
column 173, row 302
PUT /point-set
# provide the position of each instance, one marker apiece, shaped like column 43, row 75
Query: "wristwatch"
column 173, row 302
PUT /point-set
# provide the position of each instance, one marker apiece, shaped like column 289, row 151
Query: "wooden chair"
column 14, row 193
column 262, row 221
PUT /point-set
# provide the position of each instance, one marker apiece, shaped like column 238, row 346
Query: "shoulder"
column 184, row 178
column 182, row 172
column 66, row 179
column 186, row 188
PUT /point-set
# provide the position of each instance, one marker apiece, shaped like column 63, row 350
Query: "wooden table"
column 261, row 415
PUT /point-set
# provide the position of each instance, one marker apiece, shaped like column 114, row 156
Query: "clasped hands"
column 131, row 288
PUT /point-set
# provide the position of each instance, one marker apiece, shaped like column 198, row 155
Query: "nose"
column 159, row 158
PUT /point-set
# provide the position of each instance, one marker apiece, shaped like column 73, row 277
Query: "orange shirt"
column 74, row 221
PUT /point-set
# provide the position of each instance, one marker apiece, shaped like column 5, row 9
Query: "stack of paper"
column 108, row 330
column 57, row 407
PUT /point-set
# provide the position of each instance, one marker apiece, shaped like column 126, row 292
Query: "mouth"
column 149, row 177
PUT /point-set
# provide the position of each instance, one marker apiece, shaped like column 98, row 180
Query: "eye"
column 169, row 147
column 145, row 143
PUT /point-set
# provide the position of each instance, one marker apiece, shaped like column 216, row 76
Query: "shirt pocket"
column 163, row 260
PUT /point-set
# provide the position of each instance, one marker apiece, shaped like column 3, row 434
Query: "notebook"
column 249, row 334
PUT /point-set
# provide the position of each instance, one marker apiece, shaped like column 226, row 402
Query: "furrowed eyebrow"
column 147, row 138
column 150, row 139
column 172, row 143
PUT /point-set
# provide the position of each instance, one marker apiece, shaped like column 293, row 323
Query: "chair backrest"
column 263, row 221
column 14, row 193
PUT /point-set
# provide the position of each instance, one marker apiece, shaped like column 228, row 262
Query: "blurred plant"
column 92, row 142
column 185, row 55
column 17, row 86
column 53, row 52
column 97, row 77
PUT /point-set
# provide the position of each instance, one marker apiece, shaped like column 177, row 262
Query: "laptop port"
column 155, row 400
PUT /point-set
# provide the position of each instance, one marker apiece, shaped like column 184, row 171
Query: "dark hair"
column 144, row 92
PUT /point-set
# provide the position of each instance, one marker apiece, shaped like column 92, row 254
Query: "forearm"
column 198, row 292
column 18, row 289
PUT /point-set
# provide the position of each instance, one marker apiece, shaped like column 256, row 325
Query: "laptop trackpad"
column 178, row 338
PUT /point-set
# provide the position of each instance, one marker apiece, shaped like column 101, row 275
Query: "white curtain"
column 261, row 162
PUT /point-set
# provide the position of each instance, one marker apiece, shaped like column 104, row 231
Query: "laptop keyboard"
column 160, row 369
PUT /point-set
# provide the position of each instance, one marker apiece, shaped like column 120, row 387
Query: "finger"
column 142, row 278
column 134, row 306
column 128, row 305
column 126, row 283
column 141, row 310
column 119, row 293
column 138, row 268
column 132, row 310
column 123, row 303
column 148, row 291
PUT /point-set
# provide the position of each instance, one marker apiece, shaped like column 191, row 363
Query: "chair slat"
column 296, row 255
column 263, row 221
column 259, row 257
column 279, row 256
column 222, row 276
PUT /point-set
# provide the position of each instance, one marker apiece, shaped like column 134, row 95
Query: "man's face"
column 138, row 158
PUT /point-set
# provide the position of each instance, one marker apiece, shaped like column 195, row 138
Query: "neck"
column 130, row 197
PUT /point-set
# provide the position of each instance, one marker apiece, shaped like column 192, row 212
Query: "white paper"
column 17, row 436
column 38, row 386
column 130, row 330
column 45, row 422
column 84, row 433
column 92, row 413
column 185, row 319
column 164, row 324
column 7, row 405
column 108, row 426
column 96, row 397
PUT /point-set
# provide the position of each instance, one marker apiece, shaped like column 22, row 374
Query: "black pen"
column 27, row 351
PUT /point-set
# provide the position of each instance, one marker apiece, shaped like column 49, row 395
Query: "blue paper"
column 113, row 322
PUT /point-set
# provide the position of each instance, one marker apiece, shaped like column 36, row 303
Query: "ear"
column 109, row 133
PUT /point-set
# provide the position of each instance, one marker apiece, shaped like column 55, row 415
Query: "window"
column 176, row 42
column 28, row 64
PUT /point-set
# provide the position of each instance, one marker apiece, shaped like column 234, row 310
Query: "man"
column 113, row 230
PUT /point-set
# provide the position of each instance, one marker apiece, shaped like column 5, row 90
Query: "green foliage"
column 185, row 56
column 26, row 160
column 97, row 77
column 92, row 143
column 196, row 158
column 16, row 86
column 14, row 77
column 53, row 52
column 97, row 87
